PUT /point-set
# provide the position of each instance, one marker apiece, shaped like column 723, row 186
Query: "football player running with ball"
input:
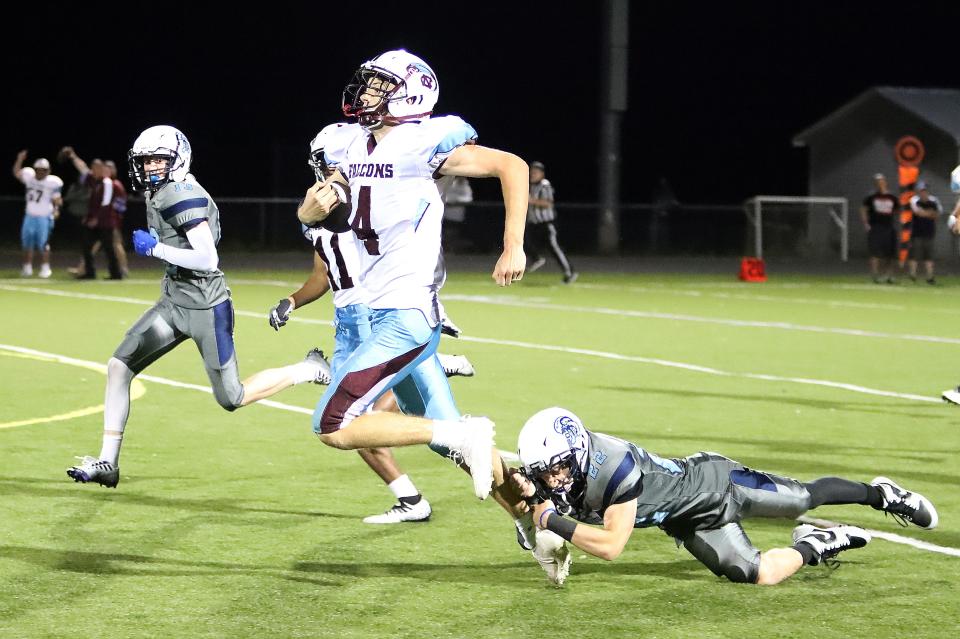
column 385, row 166
column 195, row 301
column 576, row 475
column 336, row 269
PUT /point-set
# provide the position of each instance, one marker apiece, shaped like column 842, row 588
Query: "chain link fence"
column 270, row 224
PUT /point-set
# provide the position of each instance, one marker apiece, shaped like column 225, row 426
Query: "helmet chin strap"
column 373, row 121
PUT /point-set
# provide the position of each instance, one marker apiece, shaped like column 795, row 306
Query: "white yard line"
column 550, row 348
column 891, row 537
column 510, row 457
column 677, row 317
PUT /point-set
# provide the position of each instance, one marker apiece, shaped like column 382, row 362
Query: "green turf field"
column 243, row 525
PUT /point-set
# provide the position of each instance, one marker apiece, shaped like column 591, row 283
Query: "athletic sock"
column 834, row 490
column 402, row 487
column 807, row 552
column 447, row 434
column 110, row 450
column 303, row 372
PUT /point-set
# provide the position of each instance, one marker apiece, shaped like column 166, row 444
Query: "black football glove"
column 280, row 314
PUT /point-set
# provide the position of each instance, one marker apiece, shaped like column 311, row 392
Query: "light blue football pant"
column 392, row 349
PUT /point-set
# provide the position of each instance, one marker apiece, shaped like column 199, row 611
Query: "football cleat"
column 27, row 270
column 952, row 396
column 571, row 277
column 96, row 470
column 456, row 365
column 476, row 452
column 553, row 555
column 45, row 271
column 402, row 511
column 324, row 373
column 829, row 542
column 526, row 531
column 906, row 506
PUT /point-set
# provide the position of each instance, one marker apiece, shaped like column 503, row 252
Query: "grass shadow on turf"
column 126, row 564
column 33, row 486
column 519, row 572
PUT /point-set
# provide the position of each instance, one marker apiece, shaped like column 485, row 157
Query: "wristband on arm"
column 561, row 526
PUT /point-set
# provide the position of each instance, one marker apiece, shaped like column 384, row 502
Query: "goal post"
column 769, row 208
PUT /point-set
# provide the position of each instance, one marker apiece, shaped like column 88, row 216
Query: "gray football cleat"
column 96, row 470
column 829, row 542
column 906, row 506
column 324, row 372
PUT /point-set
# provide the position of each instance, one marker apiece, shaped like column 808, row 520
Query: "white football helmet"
column 955, row 180
column 552, row 439
column 411, row 94
column 159, row 141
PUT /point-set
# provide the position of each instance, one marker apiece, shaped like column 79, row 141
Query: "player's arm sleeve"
column 201, row 257
column 447, row 135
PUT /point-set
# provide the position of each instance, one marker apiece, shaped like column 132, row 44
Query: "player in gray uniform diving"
column 194, row 303
column 699, row 500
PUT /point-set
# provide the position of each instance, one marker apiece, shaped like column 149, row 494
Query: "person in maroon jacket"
column 102, row 217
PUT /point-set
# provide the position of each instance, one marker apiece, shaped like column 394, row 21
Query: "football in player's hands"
column 339, row 219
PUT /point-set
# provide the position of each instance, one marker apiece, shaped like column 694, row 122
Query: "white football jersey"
column 397, row 209
column 40, row 193
column 339, row 252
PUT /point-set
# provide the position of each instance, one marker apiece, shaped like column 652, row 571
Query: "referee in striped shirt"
column 541, row 233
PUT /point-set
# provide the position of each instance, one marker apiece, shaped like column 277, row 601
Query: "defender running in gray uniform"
column 699, row 500
column 194, row 303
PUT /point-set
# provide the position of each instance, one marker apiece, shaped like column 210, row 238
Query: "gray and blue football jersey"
column 676, row 494
column 171, row 212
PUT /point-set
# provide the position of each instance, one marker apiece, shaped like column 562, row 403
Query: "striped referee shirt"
column 541, row 190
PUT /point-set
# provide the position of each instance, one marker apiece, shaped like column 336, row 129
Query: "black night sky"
column 716, row 91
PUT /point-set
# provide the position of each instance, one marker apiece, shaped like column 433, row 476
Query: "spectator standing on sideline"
column 101, row 217
column 541, row 232
column 455, row 191
column 926, row 210
column 43, row 207
column 120, row 207
column 877, row 214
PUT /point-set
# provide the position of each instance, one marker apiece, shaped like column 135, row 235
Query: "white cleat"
column 402, row 511
column 45, row 271
column 456, row 365
column 324, row 374
column 553, row 556
column 906, row 506
column 27, row 270
column 951, row 396
column 476, row 452
column 95, row 470
column 829, row 542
